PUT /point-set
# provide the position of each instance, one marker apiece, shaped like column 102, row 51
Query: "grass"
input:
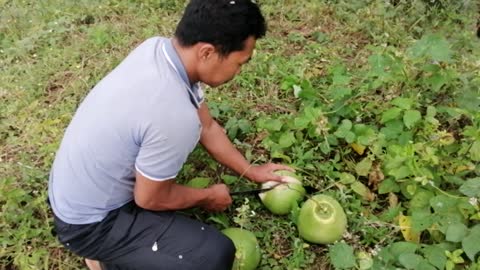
column 53, row 52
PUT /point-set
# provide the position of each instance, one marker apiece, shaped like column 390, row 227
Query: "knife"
column 251, row 191
column 308, row 189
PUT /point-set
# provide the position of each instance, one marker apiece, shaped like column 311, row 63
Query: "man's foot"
column 93, row 265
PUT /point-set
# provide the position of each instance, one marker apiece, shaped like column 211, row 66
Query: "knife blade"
column 308, row 189
column 250, row 191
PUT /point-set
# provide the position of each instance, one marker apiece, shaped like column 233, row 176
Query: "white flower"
column 473, row 201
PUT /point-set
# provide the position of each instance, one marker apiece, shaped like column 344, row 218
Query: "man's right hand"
column 218, row 199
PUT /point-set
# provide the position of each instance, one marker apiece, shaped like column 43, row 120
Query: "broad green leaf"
column 346, row 178
column 471, row 243
column 229, row 179
column 364, row 260
column 363, row 167
column 403, row 103
column 199, row 182
column 341, row 255
column 421, row 220
column 350, row 137
column 286, row 139
column 270, row 124
column 432, row 46
column 325, row 147
column 456, row 232
column 421, row 199
column 399, row 248
column 411, row 117
column 469, row 99
column 425, row 265
column 386, row 255
column 365, row 134
column 338, row 92
column 435, row 255
column 387, row 186
column 346, row 124
column 475, row 151
column 390, row 114
column 392, row 129
column 359, row 188
column 443, row 203
column 471, row 187
column 343, row 131
column 410, row 260
column 400, row 172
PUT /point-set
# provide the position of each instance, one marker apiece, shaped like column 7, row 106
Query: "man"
column 112, row 186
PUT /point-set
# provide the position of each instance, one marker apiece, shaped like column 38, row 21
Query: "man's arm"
column 217, row 143
column 168, row 195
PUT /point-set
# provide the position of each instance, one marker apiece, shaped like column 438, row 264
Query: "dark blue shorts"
column 133, row 238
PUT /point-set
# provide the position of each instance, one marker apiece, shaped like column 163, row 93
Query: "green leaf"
column 387, row 186
column 339, row 92
column 403, row 103
column 345, row 125
column 424, row 265
column 399, row 248
column 469, row 99
column 411, row 117
column 341, row 255
column 365, row 260
column 220, row 218
column 421, row 199
column 390, row 114
column 286, row 139
column 432, row 46
column 410, row 260
column 436, row 256
column 392, row 129
column 470, row 243
column 475, row 151
column 421, row 220
column 270, row 124
column 363, row 167
column 199, row 182
column 471, row 187
column 229, row 179
column 400, row 172
column 343, row 131
column 359, row 188
column 346, row 178
column 365, row 134
column 456, row 232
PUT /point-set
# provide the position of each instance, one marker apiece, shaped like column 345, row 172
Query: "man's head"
column 223, row 33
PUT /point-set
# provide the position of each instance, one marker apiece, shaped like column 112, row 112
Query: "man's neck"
column 187, row 56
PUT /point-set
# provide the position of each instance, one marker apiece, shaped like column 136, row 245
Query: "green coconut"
column 247, row 256
column 282, row 197
column 321, row 220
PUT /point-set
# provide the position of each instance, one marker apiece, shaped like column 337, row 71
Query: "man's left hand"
column 264, row 173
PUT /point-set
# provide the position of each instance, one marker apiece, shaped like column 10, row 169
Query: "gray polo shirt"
column 142, row 116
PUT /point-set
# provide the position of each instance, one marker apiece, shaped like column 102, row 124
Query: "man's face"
column 217, row 70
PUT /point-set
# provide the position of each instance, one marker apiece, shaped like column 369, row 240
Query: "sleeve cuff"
column 152, row 177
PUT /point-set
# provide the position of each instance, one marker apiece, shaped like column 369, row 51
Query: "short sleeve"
column 159, row 158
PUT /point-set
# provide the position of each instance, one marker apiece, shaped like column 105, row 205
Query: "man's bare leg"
column 93, row 265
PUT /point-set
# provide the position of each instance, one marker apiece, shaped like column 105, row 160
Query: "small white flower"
column 473, row 201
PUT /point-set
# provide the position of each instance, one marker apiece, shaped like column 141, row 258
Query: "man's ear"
column 205, row 51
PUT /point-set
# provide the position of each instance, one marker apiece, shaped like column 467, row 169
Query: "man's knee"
column 223, row 252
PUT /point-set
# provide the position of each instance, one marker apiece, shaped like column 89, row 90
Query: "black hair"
column 225, row 24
